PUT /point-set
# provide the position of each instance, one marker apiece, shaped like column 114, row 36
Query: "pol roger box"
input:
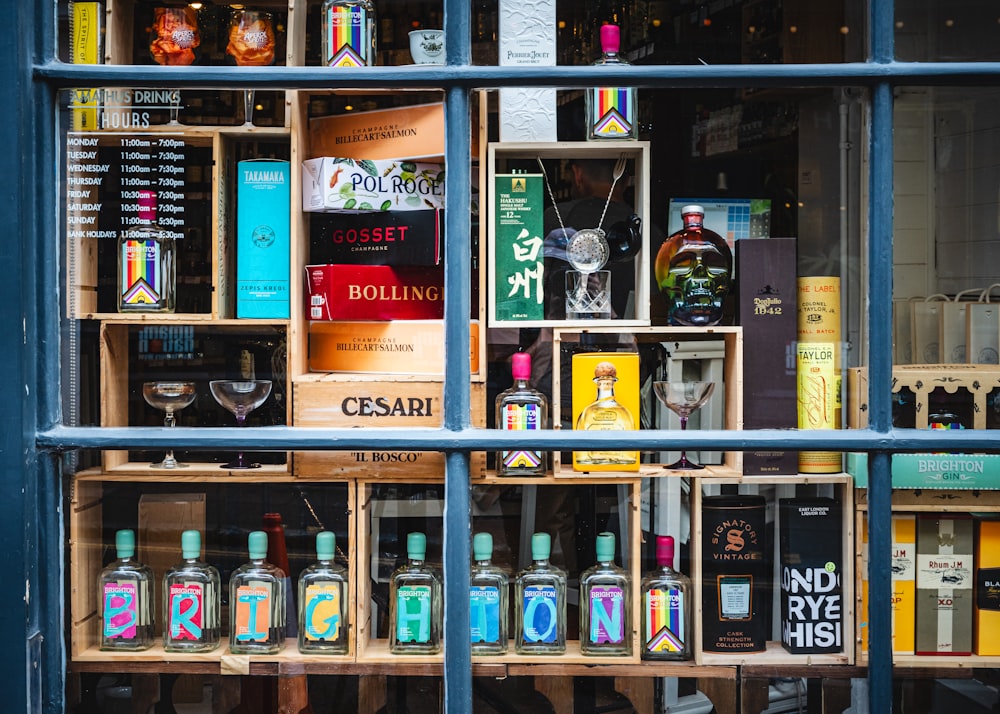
column 343, row 185
column 380, row 238
column 987, row 611
column 262, row 239
column 944, row 584
column 374, row 292
column 903, row 562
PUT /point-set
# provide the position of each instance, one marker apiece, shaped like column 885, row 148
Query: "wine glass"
column 683, row 398
column 172, row 41
column 170, row 397
column 251, row 44
column 240, row 396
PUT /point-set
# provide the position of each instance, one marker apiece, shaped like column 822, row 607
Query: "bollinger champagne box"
column 904, row 570
column 811, row 549
column 768, row 305
column 987, row 605
column 343, row 185
column 381, row 238
column 374, row 292
column 263, row 239
column 605, row 398
column 944, row 584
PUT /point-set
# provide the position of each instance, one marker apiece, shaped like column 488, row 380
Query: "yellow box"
column 602, row 382
column 986, row 624
column 904, row 583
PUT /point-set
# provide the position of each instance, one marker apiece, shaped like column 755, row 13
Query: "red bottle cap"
column 520, row 365
column 147, row 205
column 665, row 550
column 611, row 39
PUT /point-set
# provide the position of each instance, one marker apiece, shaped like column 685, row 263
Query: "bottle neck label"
column 665, row 623
column 484, row 613
column 121, row 610
column 348, row 37
column 185, row 611
column 253, row 613
column 322, row 612
column 541, row 614
column 607, row 615
column 413, row 613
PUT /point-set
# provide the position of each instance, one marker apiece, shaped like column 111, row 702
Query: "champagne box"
column 903, row 538
column 381, row 238
column 987, row 583
column 345, row 185
column 811, row 549
column 374, row 292
column 592, row 413
column 767, row 312
column 411, row 132
column 263, row 239
column 944, row 585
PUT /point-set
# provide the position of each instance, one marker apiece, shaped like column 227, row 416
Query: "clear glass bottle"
column 666, row 608
column 257, row 602
column 277, row 555
column 521, row 408
column 605, row 604
column 611, row 111
column 540, row 610
column 323, row 614
column 126, row 597
column 191, row 601
column 415, row 603
column 487, row 599
column 147, row 277
column 605, row 413
column 694, row 271
column 348, row 33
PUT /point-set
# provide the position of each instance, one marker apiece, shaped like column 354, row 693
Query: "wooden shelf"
column 194, row 473
column 775, row 655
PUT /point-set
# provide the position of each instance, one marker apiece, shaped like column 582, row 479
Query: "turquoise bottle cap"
column 257, row 543
column 190, row 544
column 326, row 545
column 605, row 547
column 541, row 546
column 416, row 546
column 482, row 546
column 125, row 543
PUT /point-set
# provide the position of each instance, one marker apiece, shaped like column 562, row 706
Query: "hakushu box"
column 380, row 238
column 374, row 292
column 342, row 185
column 944, row 584
column 263, row 239
column 810, row 545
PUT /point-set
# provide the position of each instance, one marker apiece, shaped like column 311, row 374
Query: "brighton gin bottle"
column 605, row 413
column 666, row 608
column 191, row 601
column 694, row 271
column 521, row 408
column 126, row 596
column 348, row 33
column 605, row 607
column 415, row 603
column 323, row 601
column 610, row 111
column 540, row 610
column 257, row 602
column 487, row 599
column 146, row 261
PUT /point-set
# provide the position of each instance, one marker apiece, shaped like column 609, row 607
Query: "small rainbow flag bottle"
column 666, row 608
column 146, row 260
column 611, row 111
column 348, row 33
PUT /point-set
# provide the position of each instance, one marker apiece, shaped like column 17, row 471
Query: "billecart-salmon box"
column 380, row 238
column 263, row 241
column 374, row 292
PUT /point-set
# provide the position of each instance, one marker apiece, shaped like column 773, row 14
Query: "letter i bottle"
column 191, row 601
column 666, row 608
column 323, row 601
column 126, row 597
column 487, row 599
column 257, row 602
column 540, row 613
column 415, row 603
column 605, row 605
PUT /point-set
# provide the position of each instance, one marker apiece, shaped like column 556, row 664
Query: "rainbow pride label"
column 615, row 113
column 348, row 41
column 142, row 276
column 665, row 624
column 520, row 417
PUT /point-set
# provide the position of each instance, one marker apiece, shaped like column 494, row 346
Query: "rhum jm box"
column 944, row 585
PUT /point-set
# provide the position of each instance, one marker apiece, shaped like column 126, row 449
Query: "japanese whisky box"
column 903, row 539
column 381, row 238
column 374, row 292
column 263, row 239
column 342, row 185
column 987, row 604
column 605, row 398
column 811, row 549
column 944, row 584
column 518, row 255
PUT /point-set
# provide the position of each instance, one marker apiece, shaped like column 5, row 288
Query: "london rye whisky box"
column 406, row 238
column 944, row 584
column 263, row 239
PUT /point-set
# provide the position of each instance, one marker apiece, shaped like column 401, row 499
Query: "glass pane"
column 963, row 31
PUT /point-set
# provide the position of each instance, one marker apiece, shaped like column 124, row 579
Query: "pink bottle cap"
column 147, row 205
column 611, row 39
column 520, row 365
column 665, row 550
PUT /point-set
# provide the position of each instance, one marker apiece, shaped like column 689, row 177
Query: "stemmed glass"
column 683, row 398
column 172, row 41
column 240, row 396
column 251, row 44
column 170, row 397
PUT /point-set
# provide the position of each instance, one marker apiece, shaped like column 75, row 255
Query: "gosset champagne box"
column 374, row 292
column 944, row 584
column 379, row 238
column 413, row 132
column 263, row 239
column 810, row 543
column 903, row 539
column 605, row 398
column 345, row 185
column 767, row 312
column 987, row 610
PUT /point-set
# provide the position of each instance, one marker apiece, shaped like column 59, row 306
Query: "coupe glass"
column 683, row 398
column 251, row 44
column 240, row 396
column 170, row 397
column 172, row 41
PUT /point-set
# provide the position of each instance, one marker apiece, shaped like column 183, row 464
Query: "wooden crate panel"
column 86, row 511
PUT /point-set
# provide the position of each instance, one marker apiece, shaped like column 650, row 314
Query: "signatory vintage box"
column 811, row 548
column 768, row 314
column 944, row 584
column 374, row 292
column 381, row 238
column 412, row 132
column 903, row 539
column 606, row 398
column 390, row 347
column 343, row 185
column 987, row 605
column 263, row 238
